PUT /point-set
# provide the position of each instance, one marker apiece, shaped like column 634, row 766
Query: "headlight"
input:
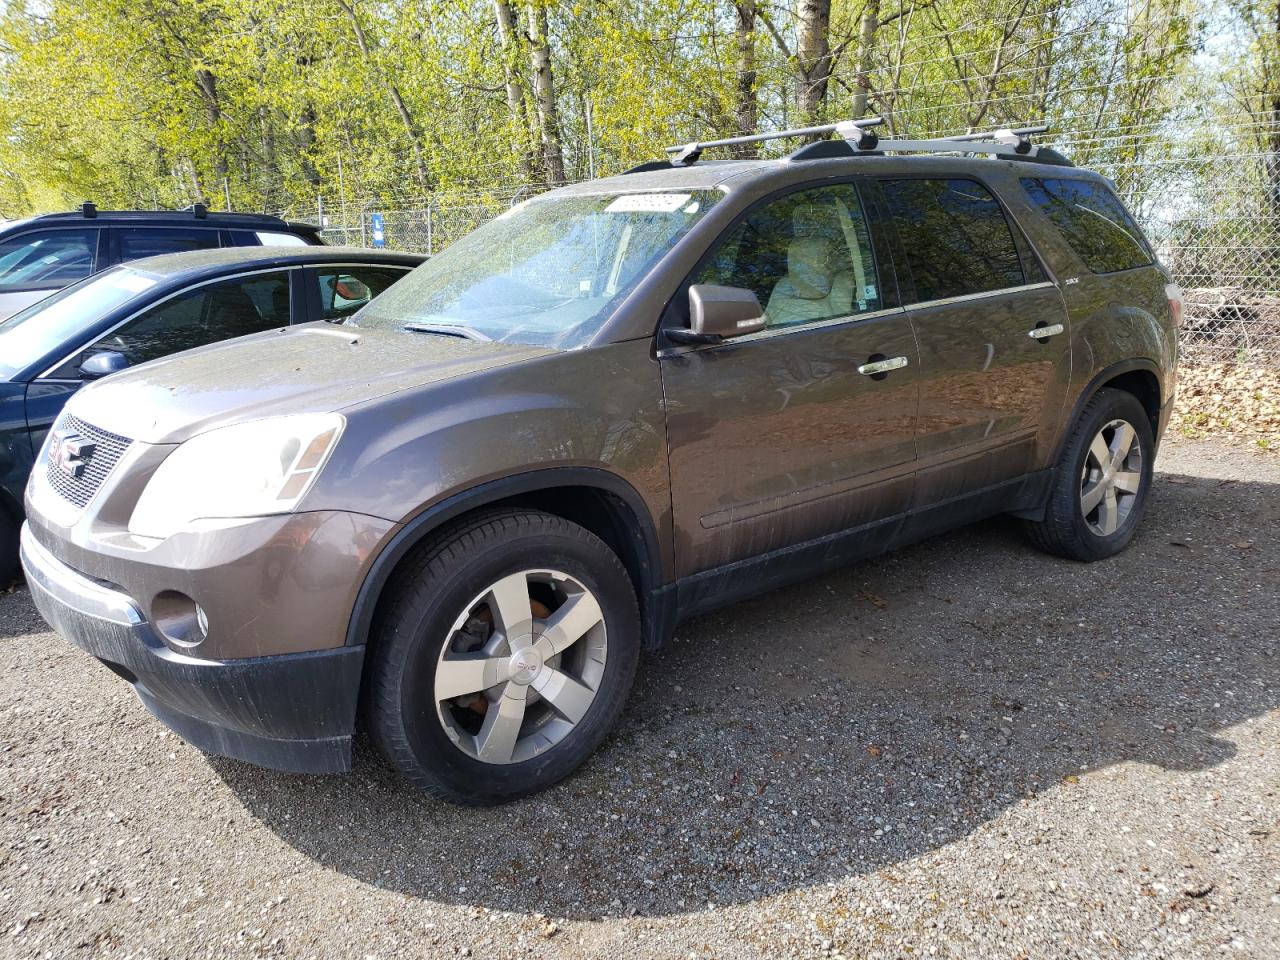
column 253, row 469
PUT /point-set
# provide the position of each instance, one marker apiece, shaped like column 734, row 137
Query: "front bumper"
column 291, row 712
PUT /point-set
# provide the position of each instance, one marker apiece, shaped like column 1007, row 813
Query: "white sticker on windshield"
column 134, row 282
column 649, row 203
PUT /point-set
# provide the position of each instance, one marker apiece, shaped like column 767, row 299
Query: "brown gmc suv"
column 455, row 518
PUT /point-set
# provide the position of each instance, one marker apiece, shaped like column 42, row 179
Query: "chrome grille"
column 108, row 448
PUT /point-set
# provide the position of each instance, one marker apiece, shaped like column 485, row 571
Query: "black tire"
column 430, row 592
column 9, row 569
column 1064, row 531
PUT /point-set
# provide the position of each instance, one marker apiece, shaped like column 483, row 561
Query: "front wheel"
column 1102, row 481
column 505, row 654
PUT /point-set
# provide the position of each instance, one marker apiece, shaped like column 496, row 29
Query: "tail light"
column 1174, row 293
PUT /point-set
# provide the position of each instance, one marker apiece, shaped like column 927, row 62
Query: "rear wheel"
column 507, row 649
column 8, row 549
column 1102, row 481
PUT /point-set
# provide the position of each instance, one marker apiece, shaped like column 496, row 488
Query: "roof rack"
column 1006, row 142
column 857, row 137
column 854, row 131
column 89, row 211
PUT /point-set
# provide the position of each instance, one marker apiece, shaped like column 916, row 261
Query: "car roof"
column 734, row 175
column 199, row 263
column 186, row 218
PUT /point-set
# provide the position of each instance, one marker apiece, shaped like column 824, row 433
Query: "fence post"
column 431, row 246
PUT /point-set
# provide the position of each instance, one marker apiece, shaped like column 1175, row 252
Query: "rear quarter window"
column 1092, row 221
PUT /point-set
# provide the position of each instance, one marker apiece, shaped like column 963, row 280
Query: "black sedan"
column 151, row 308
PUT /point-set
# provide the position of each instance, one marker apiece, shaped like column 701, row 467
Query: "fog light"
column 179, row 619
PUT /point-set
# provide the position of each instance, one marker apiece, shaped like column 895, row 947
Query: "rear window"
column 1092, row 221
column 139, row 242
column 956, row 237
column 269, row 238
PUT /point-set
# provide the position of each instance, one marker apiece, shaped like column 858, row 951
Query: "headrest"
column 809, row 267
column 815, row 220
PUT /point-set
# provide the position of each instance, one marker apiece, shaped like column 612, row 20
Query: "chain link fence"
column 1229, row 271
column 1227, row 266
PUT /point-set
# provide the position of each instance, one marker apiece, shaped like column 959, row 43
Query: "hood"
column 315, row 368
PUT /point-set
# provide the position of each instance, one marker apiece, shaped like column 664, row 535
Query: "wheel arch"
column 1140, row 377
column 596, row 499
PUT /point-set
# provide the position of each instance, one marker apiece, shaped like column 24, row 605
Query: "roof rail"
column 855, row 131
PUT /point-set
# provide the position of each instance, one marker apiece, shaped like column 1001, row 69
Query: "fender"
column 1094, row 385
column 1091, row 388
column 653, row 596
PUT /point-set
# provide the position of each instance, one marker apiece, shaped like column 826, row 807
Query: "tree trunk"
column 393, row 91
column 813, row 59
column 305, row 138
column 1271, row 78
column 509, row 39
column 544, row 93
column 862, row 70
column 746, row 110
column 208, row 84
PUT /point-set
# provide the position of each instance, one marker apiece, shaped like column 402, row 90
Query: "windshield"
column 57, row 320
column 547, row 273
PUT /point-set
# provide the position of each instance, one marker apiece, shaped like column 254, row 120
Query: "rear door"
column 776, row 438
column 994, row 344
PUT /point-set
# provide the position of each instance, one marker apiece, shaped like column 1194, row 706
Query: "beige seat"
column 820, row 281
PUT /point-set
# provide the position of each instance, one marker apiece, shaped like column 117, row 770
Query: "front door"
column 792, row 433
column 991, row 391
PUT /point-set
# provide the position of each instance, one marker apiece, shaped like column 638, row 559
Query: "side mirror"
column 103, row 365
column 717, row 313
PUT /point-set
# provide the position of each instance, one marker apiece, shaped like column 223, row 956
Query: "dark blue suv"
column 46, row 253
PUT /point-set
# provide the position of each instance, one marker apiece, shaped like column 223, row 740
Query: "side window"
column 139, row 242
column 219, row 311
column 1092, row 221
column 807, row 256
column 956, row 237
column 47, row 259
column 344, row 290
column 270, row 239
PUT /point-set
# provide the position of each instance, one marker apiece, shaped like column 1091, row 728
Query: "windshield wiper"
column 446, row 330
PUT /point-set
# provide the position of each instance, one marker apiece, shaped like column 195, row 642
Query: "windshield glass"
column 57, row 320
column 547, row 273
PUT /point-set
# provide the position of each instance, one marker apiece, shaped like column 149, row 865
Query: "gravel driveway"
column 965, row 749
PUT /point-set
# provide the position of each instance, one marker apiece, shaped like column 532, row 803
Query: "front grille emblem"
column 69, row 451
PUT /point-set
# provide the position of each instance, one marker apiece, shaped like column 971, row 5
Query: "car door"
column 339, row 290
column 789, row 434
column 200, row 315
column 994, row 354
column 35, row 263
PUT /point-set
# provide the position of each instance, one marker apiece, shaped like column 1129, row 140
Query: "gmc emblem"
column 69, row 451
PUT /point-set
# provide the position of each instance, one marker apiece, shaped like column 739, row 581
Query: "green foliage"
column 268, row 104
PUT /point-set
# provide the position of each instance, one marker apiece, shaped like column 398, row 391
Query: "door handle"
column 1043, row 331
column 878, row 366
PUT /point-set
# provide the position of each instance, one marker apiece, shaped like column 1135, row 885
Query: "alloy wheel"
column 521, row 667
column 1111, row 478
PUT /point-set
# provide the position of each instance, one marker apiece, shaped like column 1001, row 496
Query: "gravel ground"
column 963, row 750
